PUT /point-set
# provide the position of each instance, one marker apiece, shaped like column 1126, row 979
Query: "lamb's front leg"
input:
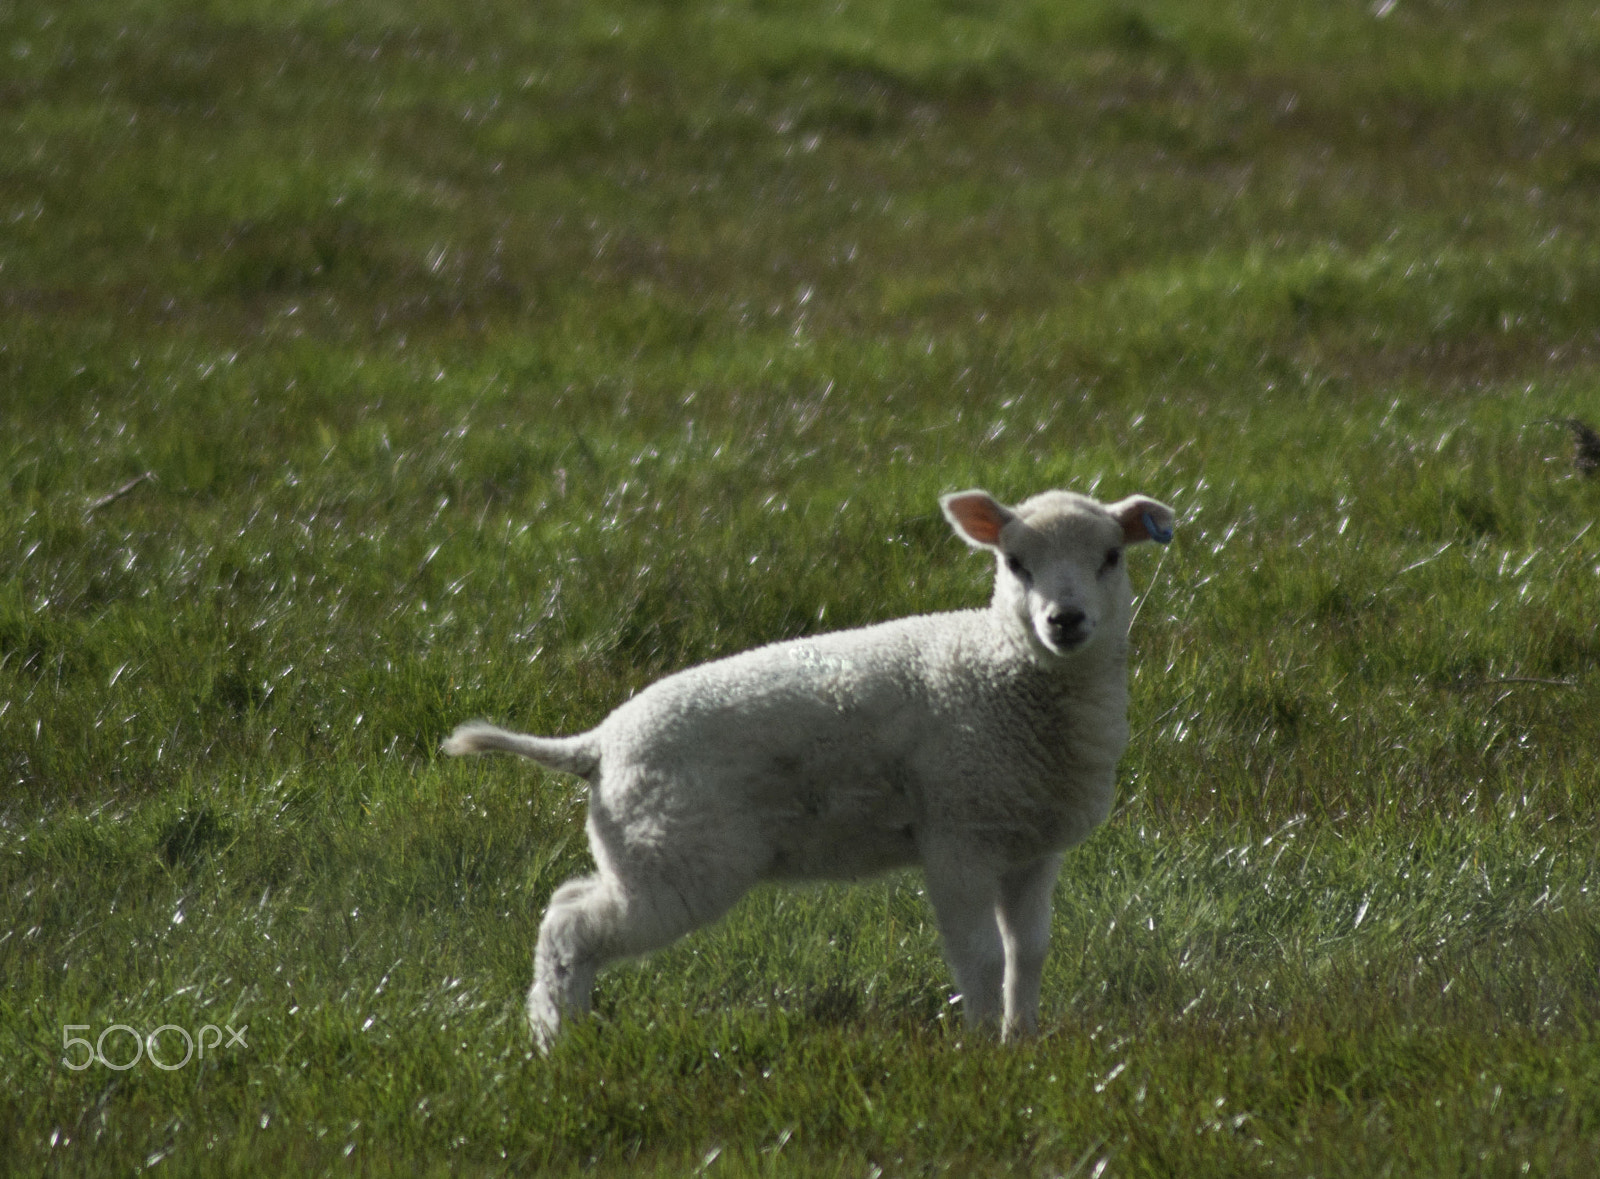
column 1024, row 912
column 964, row 901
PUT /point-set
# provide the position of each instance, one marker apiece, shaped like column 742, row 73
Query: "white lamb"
column 977, row 743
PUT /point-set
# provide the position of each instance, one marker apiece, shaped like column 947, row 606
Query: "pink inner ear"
column 1133, row 529
column 1130, row 513
column 979, row 517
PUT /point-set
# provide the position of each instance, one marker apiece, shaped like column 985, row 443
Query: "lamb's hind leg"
column 1024, row 912
column 597, row 919
column 576, row 938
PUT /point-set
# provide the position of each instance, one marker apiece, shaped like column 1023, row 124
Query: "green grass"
column 496, row 359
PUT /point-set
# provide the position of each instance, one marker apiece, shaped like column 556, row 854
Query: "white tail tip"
column 473, row 737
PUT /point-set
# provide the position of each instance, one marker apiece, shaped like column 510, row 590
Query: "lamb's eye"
column 1113, row 559
column 1017, row 567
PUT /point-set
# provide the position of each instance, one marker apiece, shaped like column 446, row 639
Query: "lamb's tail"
column 573, row 755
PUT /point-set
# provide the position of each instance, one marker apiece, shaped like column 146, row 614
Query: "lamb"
column 980, row 744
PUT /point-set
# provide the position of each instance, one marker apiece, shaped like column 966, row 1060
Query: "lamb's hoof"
column 1015, row 1030
column 544, row 1019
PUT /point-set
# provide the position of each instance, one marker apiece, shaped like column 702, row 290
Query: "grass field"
column 495, row 359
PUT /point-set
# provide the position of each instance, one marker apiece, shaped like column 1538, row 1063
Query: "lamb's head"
column 1058, row 559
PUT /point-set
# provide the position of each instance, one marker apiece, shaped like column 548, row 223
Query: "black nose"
column 1066, row 626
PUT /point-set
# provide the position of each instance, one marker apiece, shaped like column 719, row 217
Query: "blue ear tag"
column 1157, row 533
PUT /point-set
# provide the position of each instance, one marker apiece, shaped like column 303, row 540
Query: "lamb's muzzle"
column 979, row 744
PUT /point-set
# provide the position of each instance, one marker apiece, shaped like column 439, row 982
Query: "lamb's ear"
column 976, row 516
column 1143, row 518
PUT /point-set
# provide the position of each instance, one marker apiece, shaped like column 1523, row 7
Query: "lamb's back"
column 870, row 686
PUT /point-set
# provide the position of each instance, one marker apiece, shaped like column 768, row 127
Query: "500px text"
column 145, row 1045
